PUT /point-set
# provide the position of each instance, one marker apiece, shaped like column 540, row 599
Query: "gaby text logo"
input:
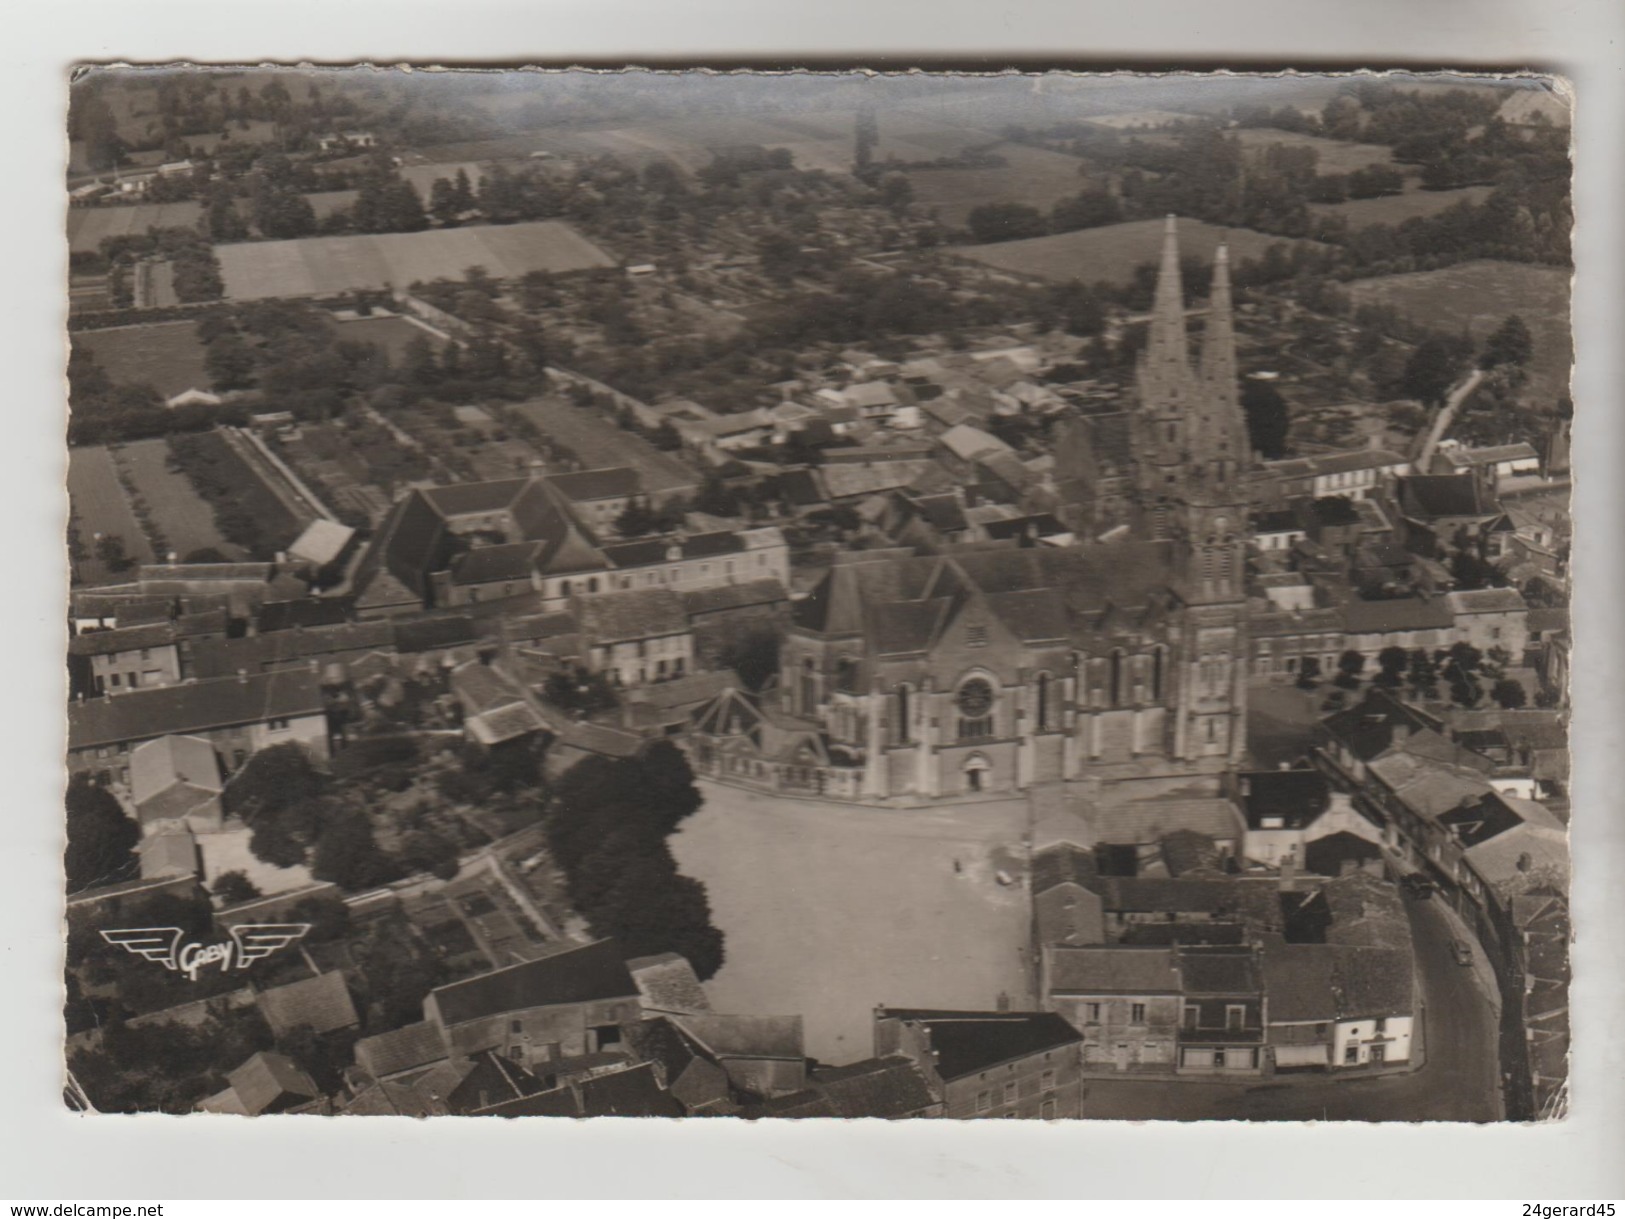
column 249, row 942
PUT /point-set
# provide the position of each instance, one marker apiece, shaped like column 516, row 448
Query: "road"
column 1441, row 421
column 1459, row 1083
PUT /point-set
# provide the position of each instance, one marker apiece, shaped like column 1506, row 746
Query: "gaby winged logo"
column 249, row 942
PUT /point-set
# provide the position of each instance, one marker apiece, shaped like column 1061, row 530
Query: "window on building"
column 984, row 1101
column 1157, row 661
column 1381, row 1026
column 277, row 725
column 1193, row 1015
column 516, row 1026
column 1046, row 1081
column 1235, row 1017
column 976, row 635
column 1351, row 1054
column 1043, row 695
column 975, row 704
column 1047, row 1110
column 516, row 1052
column 473, row 594
column 1115, row 691
column 1092, row 1012
column 1010, row 1093
column 902, row 709
column 846, row 675
column 1136, row 1013
column 592, row 585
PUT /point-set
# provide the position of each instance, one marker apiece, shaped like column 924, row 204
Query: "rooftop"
column 581, row 975
column 969, row 1042
column 194, row 707
column 1113, row 970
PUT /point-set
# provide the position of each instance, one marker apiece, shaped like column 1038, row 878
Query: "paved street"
column 1459, row 1083
column 829, row 910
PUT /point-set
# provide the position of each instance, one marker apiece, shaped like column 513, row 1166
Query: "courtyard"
column 830, row 910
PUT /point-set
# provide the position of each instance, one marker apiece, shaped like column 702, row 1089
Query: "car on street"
column 1462, row 953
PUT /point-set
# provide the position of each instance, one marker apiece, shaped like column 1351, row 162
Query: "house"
column 1223, row 1015
column 963, row 446
column 489, row 573
column 989, row 1064
column 892, row 1088
column 239, row 715
column 495, row 709
column 402, row 1051
column 1277, row 531
column 1351, row 474
column 177, row 778
column 599, row 497
column 323, row 544
column 266, row 1083
column 129, row 657
column 1433, row 510
column 321, row 1004
column 408, row 564
column 1287, row 810
column 170, row 850
column 1405, row 622
column 694, row 1079
column 568, row 1004
column 1501, row 463
column 720, row 435
column 1124, row 1000
column 1491, row 618
column 636, row 636
column 694, row 561
column 667, row 985
column 1287, row 590
column 762, row 1056
column 1066, row 909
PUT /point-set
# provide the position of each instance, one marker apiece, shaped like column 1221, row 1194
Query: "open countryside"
column 1111, row 253
column 1474, row 297
column 323, row 266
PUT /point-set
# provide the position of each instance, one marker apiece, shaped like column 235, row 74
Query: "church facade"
column 989, row 670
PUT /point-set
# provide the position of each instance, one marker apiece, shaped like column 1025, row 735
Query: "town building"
column 989, row 1064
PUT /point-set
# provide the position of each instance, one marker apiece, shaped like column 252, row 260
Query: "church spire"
column 1167, row 340
column 1219, row 335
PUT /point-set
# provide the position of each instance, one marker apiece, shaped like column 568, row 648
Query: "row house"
column 240, row 715
column 989, row 1064
column 1353, row 474
column 637, row 636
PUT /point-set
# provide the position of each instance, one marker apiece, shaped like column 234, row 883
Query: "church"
column 990, row 670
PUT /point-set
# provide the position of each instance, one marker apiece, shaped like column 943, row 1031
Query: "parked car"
column 1462, row 953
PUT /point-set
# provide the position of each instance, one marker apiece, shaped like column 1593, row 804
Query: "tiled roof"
column 194, row 707
column 1233, row 899
column 466, row 499
column 1366, row 913
column 400, row 1050
column 968, row 1042
column 555, row 1102
column 634, row 1092
column 766, row 591
column 1143, row 822
column 428, row 634
column 1298, row 978
column 225, row 657
column 321, row 1004
column 156, row 766
column 580, row 975
column 1432, row 496
column 890, row 1087
column 1373, row 981
column 122, row 639
column 613, row 482
column 488, row 564
column 631, row 614
column 1397, row 614
column 305, row 612
column 1219, row 970
column 668, row 983
column 268, row 1077
column 322, row 541
column 745, row 1036
column 1115, row 969
column 1296, row 797
column 1486, row 601
column 1062, row 864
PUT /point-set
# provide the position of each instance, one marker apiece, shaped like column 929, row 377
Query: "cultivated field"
column 165, row 355
column 1395, row 209
column 87, row 226
column 181, row 515
column 1477, row 297
column 816, row 139
column 1032, row 176
column 829, row 910
column 597, row 443
column 1334, row 156
column 99, row 506
column 1112, row 252
column 323, row 266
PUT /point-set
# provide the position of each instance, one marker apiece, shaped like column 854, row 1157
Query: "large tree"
column 1267, row 419
column 101, row 838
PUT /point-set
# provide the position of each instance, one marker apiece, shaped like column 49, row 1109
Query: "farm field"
column 88, row 226
column 597, row 443
column 165, row 355
column 322, row 266
column 1033, row 176
column 182, row 516
column 1335, row 156
column 1395, row 209
column 1112, row 252
column 1477, row 297
column 816, row 139
column 99, row 506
